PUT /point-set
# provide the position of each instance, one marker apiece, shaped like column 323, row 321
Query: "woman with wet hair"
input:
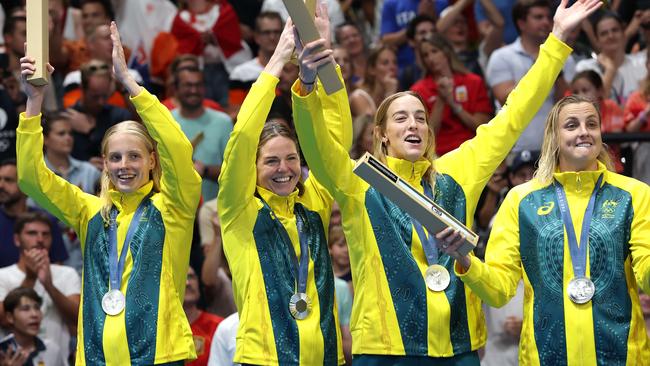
column 135, row 236
column 274, row 225
column 410, row 308
column 578, row 234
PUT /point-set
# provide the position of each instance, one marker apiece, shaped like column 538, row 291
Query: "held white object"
column 38, row 45
column 433, row 217
column 307, row 30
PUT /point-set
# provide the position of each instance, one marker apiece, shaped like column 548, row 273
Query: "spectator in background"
column 222, row 349
column 91, row 116
column 363, row 129
column 203, row 324
column 15, row 36
column 621, row 72
column 421, row 27
column 509, row 64
column 99, row 50
column 8, row 122
column 59, row 286
column 207, row 129
column 484, row 23
column 13, row 204
column 342, row 58
column 211, row 31
column 453, row 24
column 637, row 114
column 268, row 27
column 395, row 17
column 349, row 37
column 58, row 143
column 215, row 273
column 338, row 249
column 380, row 81
column 75, row 53
column 182, row 61
column 456, row 99
column 23, row 311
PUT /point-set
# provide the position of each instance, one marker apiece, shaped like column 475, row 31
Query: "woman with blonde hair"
column 135, row 237
column 401, row 314
column 573, row 281
column 274, row 224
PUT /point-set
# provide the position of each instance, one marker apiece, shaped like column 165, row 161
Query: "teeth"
column 281, row 179
column 584, row 144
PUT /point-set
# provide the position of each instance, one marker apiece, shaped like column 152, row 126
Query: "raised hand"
column 34, row 93
column 120, row 69
column 310, row 57
column 566, row 19
column 322, row 22
column 283, row 50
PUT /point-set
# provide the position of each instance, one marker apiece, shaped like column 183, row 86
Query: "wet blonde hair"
column 380, row 151
column 138, row 130
column 550, row 154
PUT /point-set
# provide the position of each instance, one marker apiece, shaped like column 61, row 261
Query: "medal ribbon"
column 428, row 243
column 578, row 253
column 301, row 268
column 115, row 267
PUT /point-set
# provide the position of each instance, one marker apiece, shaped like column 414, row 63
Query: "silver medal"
column 437, row 278
column 113, row 302
column 299, row 305
column 580, row 290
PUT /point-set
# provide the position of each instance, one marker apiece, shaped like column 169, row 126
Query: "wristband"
column 306, row 83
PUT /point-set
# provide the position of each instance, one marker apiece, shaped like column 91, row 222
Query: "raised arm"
column 238, row 170
column 336, row 107
column 495, row 281
column 494, row 140
column 180, row 183
column 64, row 200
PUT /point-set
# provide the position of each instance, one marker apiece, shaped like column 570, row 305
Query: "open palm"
column 568, row 18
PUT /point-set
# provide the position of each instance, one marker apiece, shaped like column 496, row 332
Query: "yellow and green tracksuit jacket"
column 528, row 241
column 393, row 312
column 257, row 254
column 153, row 327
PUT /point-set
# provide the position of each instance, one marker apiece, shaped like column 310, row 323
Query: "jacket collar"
column 127, row 202
column 412, row 172
column 583, row 181
column 281, row 205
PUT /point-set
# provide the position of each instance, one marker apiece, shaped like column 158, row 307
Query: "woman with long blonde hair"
column 409, row 307
column 573, row 281
column 135, row 238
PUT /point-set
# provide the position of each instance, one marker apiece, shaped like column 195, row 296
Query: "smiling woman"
column 131, row 311
column 398, row 319
column 574, row 189
column 274, row 226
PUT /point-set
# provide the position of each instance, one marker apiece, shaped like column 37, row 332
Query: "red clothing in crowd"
column 635, row 104
column 203, row 329
column 470, row 92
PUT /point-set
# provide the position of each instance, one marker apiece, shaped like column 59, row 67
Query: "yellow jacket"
column 393, row 312
column 153, row 327
column 528, row 241
column 257, row 254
